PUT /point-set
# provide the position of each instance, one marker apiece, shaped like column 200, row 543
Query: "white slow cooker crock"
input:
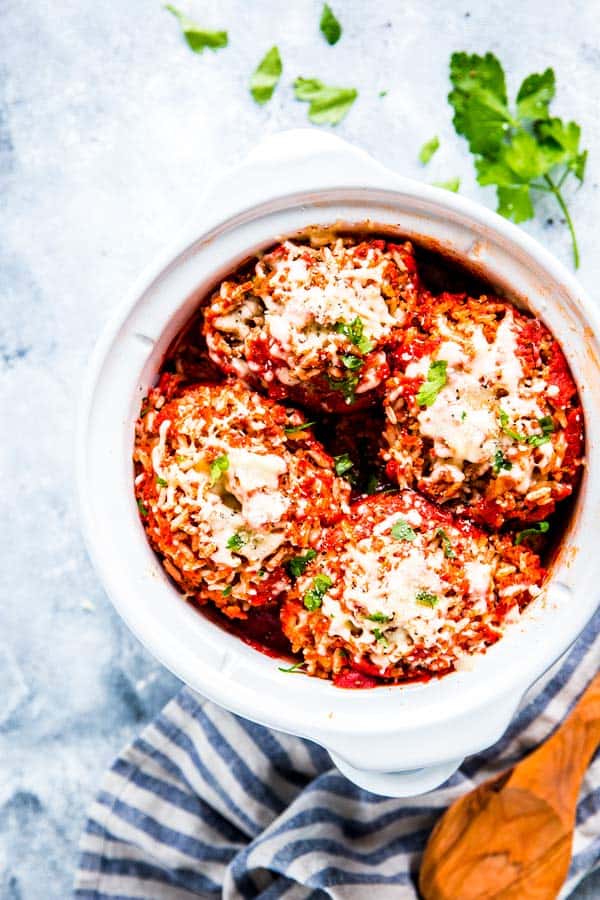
column 399, row 740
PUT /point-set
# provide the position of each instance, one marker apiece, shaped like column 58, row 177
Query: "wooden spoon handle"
column 555, row 770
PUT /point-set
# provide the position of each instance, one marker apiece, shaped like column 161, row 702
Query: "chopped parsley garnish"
column 296, row 429
column 328, row 104
column 379, row 617
column 453, row 184
column 354, row 332
column 538, row 528
column 463, row 415
column 351, row 362
column 313, row 598
column 436, row 379
column 546, row 423
column 500, row 462
column 236, row 542
column 380, row 636
column 329, row 25
column 161, row 481
column 402, row 531
column 427, row 599
column 144, row 410
column 262, row 573
column 217, row 468
column 372, row 484
column 198, row 39
column 296, row 565
column 446, row 544
column 346, row 385
column 428, row 149
column 266, row 76
column 504, row 420
column 523, row 151
column 382, row 94
column 226, row 591
column 141, row 507
column 343, row 464
column 297, row 667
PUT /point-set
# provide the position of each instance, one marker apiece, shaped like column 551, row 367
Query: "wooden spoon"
column 511, row 837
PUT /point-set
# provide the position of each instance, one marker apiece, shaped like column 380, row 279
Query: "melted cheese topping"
column 381, row 607
column 243, row 500
column 308, row 300
column 392, row 599
column 483, row 381
column 299, row 298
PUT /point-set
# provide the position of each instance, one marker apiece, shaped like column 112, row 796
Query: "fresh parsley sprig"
column 534, row 531
column 296, row 565
column 218, row 467
column 436, row 379
column 297, row 429
column 402, row 531
column 522, row 151
column 428, row 149
column 313, row 598
column 330, row 26
column 328, row 104
column 354, row 332
column 266, row 76
column 197, row 38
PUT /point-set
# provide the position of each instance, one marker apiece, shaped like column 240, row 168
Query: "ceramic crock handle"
column 295, row 161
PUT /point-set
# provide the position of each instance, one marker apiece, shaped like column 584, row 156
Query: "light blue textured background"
column 109, row 130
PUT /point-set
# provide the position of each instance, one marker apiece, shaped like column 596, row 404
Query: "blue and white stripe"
column 204, row 804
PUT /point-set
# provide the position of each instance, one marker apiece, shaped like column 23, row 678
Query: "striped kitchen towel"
column 204, row 804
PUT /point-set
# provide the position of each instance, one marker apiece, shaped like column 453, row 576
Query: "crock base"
column 398, row 784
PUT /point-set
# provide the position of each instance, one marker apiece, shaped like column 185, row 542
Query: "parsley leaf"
column 446, row 545
column 161, row 481
column 297, row 667
column 535, row 95
column 346, row 385
column 353, row 331
column 328, row 104
column 266, row 76
column 198, row 39
column 343, row 464
column 296, row 429
column 452, row 184
column 141, row 507
column 217, row 468
column 479, row 100
column 500, row 462
column 402, row 531
column 329, row 25
column 504, row 420
column 226, row 591
column 428, row 149
column 546, row 423
column 425, row 598
column 379, row 617
column 351, row 362
column 518, row 152
column 314, row 597
column 296, row 565
column 236, row 542
column 538, row 528
column 436, row 379
column 380, row 636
